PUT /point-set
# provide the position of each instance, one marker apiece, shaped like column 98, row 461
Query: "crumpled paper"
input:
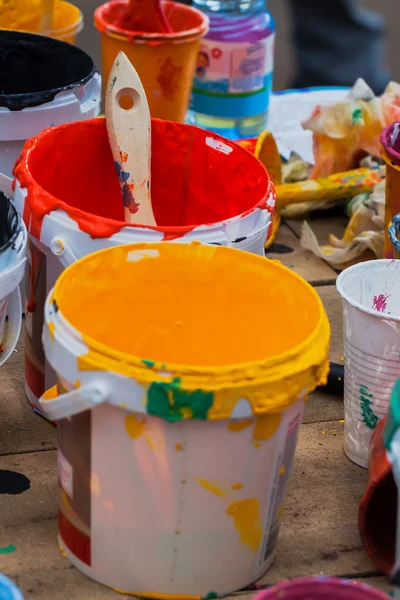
column 364, row 231
column 343, row 130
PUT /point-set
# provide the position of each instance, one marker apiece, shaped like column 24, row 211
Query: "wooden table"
column 319, row 533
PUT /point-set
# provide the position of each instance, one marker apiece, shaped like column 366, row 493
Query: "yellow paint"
column 266, row 426
column 186, row 412
column 95, row 485
column 78, row 384
column 149, row 441
column 122, row 405
column 211, row 486
column 280, row 512
column 275, row 362
column 256, row 444
column 237, row 486
column 51, row 393
column 240, row 425
column 246, row 518
column 178, row 448
column 134, row 426
column 156, row 595
column 282, row 470
column 51, row 329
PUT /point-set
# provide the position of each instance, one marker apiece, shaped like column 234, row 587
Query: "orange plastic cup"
column 165, row 62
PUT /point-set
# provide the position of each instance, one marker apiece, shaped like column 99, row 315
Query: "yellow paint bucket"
column 67, row 22
column 182, row 370
column 34, row 16
column 165, row 62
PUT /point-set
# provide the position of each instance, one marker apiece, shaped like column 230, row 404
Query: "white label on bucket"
column 286, row 446
column 218, row 145
column 65, row 474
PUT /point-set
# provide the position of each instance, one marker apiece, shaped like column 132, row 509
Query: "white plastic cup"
column 371, row 307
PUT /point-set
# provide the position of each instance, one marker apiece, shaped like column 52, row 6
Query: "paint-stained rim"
column 267, row 202
column 354, row 303
column 15, row 102
column 282, row 378
column 103, row 26
column 303, row 584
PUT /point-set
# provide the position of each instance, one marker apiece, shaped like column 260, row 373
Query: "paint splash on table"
column 8, row 549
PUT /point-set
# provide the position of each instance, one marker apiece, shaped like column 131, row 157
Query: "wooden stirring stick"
column 129, row 134
column 146, row 16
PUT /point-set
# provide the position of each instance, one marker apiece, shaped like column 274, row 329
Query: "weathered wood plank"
column 313, row 269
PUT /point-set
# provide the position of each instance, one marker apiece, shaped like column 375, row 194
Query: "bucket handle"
column 62, row 250
column 56, row 406
column 14, row 309
column 6, row 185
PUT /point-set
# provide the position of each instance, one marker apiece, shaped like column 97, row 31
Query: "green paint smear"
column 149, row 363
column 169, row 401
column 8, row 549
column 357, row 117
column 369, row 417
column 211, row 596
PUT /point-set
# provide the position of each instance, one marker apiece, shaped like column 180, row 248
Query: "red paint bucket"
column 378, row 509
column 321, row 588
column 204, row 188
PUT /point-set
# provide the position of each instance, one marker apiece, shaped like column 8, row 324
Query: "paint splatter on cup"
column 371, row 306
column 186, row 412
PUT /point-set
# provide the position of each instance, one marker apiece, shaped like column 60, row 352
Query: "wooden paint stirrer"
column 129, row 134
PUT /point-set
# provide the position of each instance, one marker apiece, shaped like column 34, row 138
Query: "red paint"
column 378, row 509
column 145, row 15
column 71, row 168
column 76, row 541
column 184, row 21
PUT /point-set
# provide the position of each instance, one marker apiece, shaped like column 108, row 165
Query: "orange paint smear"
column 71, row 168
column 188, row 304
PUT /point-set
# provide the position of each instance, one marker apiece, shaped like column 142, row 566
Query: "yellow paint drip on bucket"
column 207, row 345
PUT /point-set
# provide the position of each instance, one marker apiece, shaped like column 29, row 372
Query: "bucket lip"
column 335, row 582
column 391, row 154
column 355, row 303
column 18, row 226
column 214, row 377
column 74, row 28
column 28, row 99
column 109, row 29
column 267, row 202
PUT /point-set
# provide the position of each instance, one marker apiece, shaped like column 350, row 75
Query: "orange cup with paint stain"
column 165, row 62
column 177, row 426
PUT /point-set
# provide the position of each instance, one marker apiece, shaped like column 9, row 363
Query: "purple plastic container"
column 321, row 588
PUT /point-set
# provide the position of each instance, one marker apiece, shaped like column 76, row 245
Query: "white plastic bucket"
column 371, row 305
column 66, row 87
column 84, row 210
column 12, row 265
column 179, row 452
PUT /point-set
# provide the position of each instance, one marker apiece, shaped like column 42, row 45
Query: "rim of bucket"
column 72, row 29
column 238, row 373
column 16, row 223
column 316, row 582
column 388, row 154
column 113, row 30
column 355, row 303
column 21, row 172
column 28, row 100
